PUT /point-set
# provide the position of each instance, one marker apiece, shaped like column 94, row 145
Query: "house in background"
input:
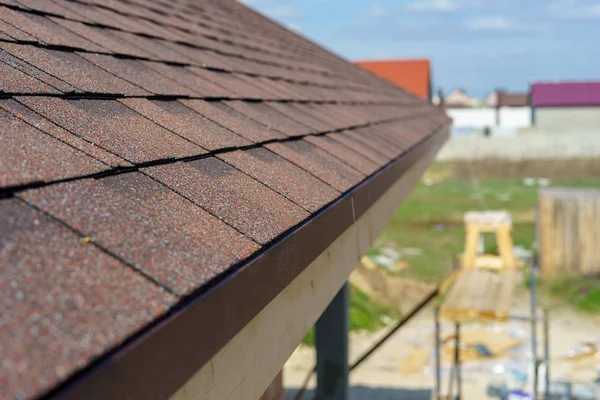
column 467, row 117
column 459, row 98
column 412, row 75
column 512, row 112
column 491, row 100
column 566, row 107
column 502, row 112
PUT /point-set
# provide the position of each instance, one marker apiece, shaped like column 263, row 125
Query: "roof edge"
column 161, row 358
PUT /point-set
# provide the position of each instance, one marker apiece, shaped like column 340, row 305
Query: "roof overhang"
column 212, row 344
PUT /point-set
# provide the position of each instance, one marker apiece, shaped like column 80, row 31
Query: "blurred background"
column 521, row 81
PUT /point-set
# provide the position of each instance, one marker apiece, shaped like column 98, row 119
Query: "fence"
column 526, row 146
column 569, row 231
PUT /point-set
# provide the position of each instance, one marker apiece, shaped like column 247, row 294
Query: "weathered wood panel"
column 480, row 295
column 569, row 231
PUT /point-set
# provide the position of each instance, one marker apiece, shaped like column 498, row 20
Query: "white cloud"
column 574, row 9
column 490, row 23
column 433, row 6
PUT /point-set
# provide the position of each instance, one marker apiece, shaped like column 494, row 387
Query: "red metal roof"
column 412, row 75
column 154, row 152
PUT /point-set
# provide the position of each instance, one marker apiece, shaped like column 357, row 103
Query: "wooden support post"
column 332, row 349
column 472, row 240
column 505, row 246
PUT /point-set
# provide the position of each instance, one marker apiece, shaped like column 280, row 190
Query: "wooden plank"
column 569, row 231
column 505, row 246
column 585, row 233
column 506, row 294
column 470, row 246
column 544, row 223
column 415, row 362
column 480, row 295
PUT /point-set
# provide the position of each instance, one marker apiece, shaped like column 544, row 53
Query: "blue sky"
column 477, row 45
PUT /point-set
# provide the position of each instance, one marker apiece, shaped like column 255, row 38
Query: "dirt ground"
column 383, row 375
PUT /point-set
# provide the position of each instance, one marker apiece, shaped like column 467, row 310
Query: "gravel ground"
column 380, row 375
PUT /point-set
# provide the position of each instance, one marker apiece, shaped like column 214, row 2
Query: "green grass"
column 364, row 315
column 431, row 218
column 583, row 293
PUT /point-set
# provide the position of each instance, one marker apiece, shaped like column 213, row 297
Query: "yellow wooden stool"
column 478, row 223
column 484, row 285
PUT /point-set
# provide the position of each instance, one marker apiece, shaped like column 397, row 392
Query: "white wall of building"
column 472, row 117
column 515, row 117
column 505, row 121
column 522, row 147
column 570, row 120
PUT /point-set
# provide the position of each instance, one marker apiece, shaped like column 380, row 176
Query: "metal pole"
column 457, row 364
column 546, row 355
column 332, row 349
column 532, row 295
column 436, row 346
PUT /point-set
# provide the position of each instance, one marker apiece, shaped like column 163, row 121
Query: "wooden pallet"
column 480, row 295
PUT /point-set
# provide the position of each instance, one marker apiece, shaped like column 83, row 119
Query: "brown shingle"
column 270, row 117
column 237, row 87
column 104, row 38
column 328, row 121
column 319, row 163
column 64, row 302
column 45, row 30
column 28, row 70
column 15, row 81
column 282, row 176
column 296, row 114
column 184, row 121
column 29, row 155
column 338, row 150
column 41, row 123
column 48, row 7
column 10, row 32
column 114, row 127
column 275, row 91
column 190, row 80
column 72, row 69
column 239, row 200
column 153, row 46
column 365, row 148
column 149, row 226
column 375, row 146
column 140, row 74
column 233, row 120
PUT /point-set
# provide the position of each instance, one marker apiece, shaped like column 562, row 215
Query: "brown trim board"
column 163, row 358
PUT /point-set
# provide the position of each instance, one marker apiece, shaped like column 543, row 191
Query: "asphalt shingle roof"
column 148, row 148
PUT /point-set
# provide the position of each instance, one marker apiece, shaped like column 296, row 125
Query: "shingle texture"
column 148, row 148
